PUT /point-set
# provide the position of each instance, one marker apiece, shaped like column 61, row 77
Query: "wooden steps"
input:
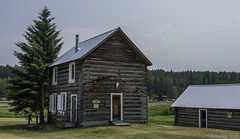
column 62, row 122
column 120, row 123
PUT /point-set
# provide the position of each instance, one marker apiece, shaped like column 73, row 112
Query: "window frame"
column 72, row 72
column 52, row 102
column 55, row 75
column 62, row 102
column 200, row 119
column 65, row 100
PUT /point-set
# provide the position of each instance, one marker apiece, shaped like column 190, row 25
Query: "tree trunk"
column 42, row 106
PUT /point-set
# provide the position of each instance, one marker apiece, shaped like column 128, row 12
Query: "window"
column 62, row 102
column 52, row 102
column 54, row 77
column 71, row 78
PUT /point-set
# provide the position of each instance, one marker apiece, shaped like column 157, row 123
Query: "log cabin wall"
column 114, row 61
column 70, row 88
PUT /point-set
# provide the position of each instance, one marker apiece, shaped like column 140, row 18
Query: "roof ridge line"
column 73, row 47
column 99, row 35
column 237, row 84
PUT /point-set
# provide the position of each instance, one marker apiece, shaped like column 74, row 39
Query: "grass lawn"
column 160, row 125
column 4, row 102
column 160, row 113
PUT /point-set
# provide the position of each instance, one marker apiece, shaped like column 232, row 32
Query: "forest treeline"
column 172, row 84
column 160, row 82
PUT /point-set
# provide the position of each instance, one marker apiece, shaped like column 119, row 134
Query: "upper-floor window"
column 71, row 77
column 54, row 77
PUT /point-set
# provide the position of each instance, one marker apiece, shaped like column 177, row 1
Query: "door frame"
column 71, row 108
column 121, row 107
column 200, row 119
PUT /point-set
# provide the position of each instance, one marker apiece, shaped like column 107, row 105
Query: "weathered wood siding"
column 70, row 88
column 216, row 118
column 114, row 61
column 96, row 77
column 186, row 117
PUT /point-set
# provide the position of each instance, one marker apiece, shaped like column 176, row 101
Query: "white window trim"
column 70, row 80
column 121, row 98
column 61, row 107
column 199, row 120
column 65, row 107
column 54, row 97
column 52, row 103
column 55, row 69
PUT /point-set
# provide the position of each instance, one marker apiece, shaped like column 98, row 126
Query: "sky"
column 178, row 35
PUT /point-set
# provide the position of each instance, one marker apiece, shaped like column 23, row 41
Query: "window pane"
column 54, row 103
column 50, row 103
column 72, row 71
column 59, row 102
column 55, row 78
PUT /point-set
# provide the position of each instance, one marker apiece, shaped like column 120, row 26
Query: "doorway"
column 116, row 107
column 202, row 118
column 73, row 112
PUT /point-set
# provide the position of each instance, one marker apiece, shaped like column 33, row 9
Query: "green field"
column 160, row 125
column 5, row 102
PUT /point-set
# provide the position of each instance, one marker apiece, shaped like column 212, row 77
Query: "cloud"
column 7, row 47
column 164, row 37
column 164, row 48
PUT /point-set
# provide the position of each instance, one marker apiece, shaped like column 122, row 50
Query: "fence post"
column 37, row 120
column 29, row 118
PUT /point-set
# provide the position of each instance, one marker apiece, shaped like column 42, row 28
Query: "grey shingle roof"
column 225, row 96
column 89, row 45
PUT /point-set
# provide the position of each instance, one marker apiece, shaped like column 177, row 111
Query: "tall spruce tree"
column 29, row 89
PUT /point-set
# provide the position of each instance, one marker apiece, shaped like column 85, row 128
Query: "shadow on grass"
column 50, row 128
column 12, row 127
column 22, row 127
column 170, row 123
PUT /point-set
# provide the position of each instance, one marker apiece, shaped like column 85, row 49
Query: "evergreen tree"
column 29, row 90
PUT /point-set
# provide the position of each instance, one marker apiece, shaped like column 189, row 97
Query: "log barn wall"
column 216, row 118
column 186, row 117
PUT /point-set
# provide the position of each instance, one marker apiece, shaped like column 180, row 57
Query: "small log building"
column 209, row 106
column 99, row 81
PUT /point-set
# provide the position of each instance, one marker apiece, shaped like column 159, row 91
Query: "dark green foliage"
column 5, row 75
column 3, row 87
column 172, row 84
column 5, row 72
column 29, row 89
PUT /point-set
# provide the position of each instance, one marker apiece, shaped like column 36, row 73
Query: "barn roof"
column 91, row 44
column 225, row 96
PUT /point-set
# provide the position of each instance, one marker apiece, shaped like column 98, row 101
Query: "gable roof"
column 225, row 96
column 90, row 45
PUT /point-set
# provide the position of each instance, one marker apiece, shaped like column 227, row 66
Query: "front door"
column 202, row 118
column 116, row 107
column 73, row 112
